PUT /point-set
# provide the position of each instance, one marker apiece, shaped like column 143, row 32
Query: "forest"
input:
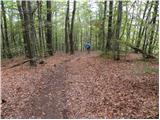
column 47, row 70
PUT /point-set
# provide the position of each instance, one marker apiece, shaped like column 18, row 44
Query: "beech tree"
column 140, row 29
column 29, row 29
column 6, row 31
column 67, row 30
column 104, row 19
column 71, row 31
column 49, row 29
column 118, row 28
column 23, row 27
column 150, row 49
column 109, row 35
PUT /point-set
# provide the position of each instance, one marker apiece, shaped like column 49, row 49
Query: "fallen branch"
column 40, row 62
column 19, row 63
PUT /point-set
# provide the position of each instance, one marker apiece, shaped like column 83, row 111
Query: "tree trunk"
column 140, row 29
column 156, row 35
column 153, row 27
column 56, row 32
column 6, row 32
column 23, row 30
column 32, row 34
column 90, row 30
column 49, row 29
column 12, row 34
column 39, row 4
column 67, row 28
column 109, row 36
column 30, row 43
column 103, row 27
column 71, row 31
column 118, row 26
column 3, row 42
column 145, row 30
column 81, row 33
column 81, row 40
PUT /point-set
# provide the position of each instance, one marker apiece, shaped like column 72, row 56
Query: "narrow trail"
column 52, row 99
column 48, row 99
column 82, row 86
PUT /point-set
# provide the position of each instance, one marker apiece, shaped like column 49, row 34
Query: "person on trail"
column 88, row 47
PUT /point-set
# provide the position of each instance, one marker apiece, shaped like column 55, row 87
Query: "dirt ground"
column 81, row 86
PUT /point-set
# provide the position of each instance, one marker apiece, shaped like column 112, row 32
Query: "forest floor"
column 81, row 86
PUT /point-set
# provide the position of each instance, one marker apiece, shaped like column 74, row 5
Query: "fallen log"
column 40, row 62
column 141, row 51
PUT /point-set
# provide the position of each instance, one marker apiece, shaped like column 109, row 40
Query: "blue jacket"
column 87, row 45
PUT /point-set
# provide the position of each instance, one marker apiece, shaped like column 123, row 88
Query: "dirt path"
column 49, row 102
column 82, row 86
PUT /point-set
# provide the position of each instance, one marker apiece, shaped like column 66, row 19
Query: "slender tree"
column 90, row 21
column 23, row 29
column 12, row 33
column 141, row 25
column 56, row 32
column 145, row 31
column 103, row 23
column 81, row 35
column 67, row 28
column 118, row 27
column 40, row 32
column 3, row 41
column 109, row 35
column 71, row 31
column 6, row 31
column 49, row 29
column 153, row 27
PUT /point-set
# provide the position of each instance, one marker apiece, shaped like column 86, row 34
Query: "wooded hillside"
column 79, row 59
column 38, row 28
